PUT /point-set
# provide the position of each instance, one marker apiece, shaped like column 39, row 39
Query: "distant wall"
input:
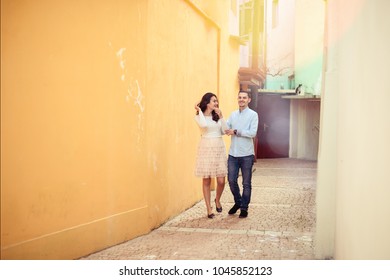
column 309, row 44
column 280, row 43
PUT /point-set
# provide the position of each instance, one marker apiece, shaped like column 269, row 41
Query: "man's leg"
column 233, row 166
column 246, row 169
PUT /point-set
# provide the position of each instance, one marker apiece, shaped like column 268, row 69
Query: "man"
column 243, row 128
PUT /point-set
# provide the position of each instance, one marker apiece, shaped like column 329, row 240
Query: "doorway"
column 273, row 133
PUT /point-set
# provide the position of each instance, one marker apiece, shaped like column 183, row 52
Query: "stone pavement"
column 280, row 224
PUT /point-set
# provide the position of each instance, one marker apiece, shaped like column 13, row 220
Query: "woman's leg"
column 206, row 194
column 220, row 188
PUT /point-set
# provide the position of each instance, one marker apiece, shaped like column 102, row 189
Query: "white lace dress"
column 211, row 160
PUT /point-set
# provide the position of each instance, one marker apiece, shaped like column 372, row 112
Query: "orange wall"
column 98, row 137
column 181, row 66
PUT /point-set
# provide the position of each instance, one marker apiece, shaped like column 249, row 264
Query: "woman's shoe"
column 219, row 210
column 211, row 216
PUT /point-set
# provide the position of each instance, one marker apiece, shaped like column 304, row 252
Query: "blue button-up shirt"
column 246, row 123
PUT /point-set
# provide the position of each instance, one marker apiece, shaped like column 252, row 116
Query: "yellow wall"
column 98, row 136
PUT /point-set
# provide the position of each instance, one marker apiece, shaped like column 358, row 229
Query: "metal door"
column 274, row 126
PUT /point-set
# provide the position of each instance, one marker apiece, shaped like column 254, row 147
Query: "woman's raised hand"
column 219, row 112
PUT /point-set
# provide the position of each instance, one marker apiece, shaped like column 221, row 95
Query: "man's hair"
column 247, row 92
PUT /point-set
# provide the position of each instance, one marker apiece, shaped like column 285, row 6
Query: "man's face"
column 243, row 100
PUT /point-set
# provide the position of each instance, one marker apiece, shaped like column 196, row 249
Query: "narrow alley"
column 280, row 225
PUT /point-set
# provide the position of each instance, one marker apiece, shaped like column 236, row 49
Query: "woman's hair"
column 203, row 105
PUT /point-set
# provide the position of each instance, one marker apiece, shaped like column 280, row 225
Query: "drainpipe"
column 256, row 22
column 256, row 34
column 265, row 32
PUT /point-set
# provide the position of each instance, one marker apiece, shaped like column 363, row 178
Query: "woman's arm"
column 224, row 125
column 200, row 119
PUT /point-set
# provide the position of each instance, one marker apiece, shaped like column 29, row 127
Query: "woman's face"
column 213, row 103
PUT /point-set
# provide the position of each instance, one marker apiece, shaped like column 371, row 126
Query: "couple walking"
column 211, row 157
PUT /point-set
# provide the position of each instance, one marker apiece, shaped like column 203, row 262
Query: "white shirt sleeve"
column 224, row 125
column 201, row 120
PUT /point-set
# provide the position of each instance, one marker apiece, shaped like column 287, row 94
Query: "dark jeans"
column 245, row 164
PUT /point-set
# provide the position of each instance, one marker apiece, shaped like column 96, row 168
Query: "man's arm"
column 252, row 131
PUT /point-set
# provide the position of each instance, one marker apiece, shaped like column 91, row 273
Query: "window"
column 246, row 14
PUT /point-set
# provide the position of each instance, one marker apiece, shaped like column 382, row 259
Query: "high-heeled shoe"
column 219, row 209
column 211, row 216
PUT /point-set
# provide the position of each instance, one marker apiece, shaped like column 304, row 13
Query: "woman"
column 211, row 161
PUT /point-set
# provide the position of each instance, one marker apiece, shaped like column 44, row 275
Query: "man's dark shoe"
column 234, row 209
column 243, row 214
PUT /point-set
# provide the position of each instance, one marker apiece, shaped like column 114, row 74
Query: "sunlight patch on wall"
column 122, row 62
